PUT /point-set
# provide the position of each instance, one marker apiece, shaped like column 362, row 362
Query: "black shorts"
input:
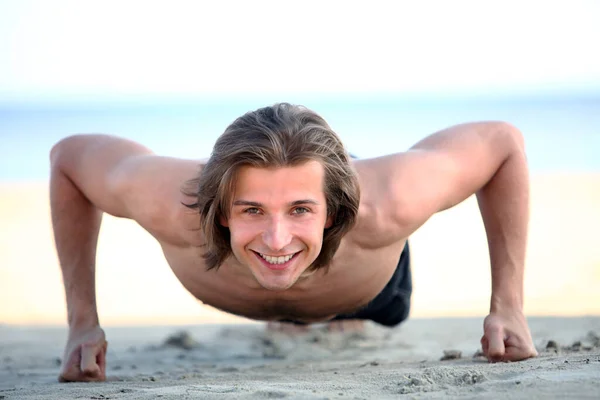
column 392, row 305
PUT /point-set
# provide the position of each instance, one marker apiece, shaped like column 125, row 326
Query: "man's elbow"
column 61, row 150
column 511, row 135
column 502, row 140
column 57, row 152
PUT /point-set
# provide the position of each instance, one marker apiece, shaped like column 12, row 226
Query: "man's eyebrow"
column 257, row 204
column 246, row 203
column 304, row 201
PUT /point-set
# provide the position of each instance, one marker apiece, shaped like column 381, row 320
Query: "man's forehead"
column 304, row 181
column 312, row 169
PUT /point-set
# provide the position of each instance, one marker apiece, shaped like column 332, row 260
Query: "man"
column 280, row 225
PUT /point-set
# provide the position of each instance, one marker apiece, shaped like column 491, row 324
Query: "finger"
column 484, row 345
column 89, row 366
column 101, row 359
column 518, row 353
column 70, row 374
column 496, row 350
column 70, row 367
column 515, row 354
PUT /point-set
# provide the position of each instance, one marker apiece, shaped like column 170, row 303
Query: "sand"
column 244, row 361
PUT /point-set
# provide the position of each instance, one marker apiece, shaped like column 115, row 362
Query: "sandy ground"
column 245, row 362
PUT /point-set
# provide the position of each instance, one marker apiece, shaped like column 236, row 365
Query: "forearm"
column 504, row 206
column 76, row 223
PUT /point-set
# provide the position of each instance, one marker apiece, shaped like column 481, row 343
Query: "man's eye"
column 252, row 210
column 300, row 210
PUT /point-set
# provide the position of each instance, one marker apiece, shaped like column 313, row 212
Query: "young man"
column 280, row 225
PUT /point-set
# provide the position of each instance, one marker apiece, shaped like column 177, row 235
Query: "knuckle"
column 494, row 328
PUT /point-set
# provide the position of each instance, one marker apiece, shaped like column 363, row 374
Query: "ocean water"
column 562, row 134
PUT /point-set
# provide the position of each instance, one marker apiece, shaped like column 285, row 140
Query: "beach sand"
column 243, row 361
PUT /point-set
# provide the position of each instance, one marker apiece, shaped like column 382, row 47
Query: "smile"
column 275, row 260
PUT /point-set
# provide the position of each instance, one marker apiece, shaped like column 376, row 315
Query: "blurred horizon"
column 562, row 133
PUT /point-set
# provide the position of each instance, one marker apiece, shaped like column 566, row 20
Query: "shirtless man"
column 280, row 225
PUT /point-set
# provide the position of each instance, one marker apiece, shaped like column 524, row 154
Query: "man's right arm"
column 85, row 171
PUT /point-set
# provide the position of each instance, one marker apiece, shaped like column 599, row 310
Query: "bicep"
column 447, row 167
column 95, row 165
column 427, row 182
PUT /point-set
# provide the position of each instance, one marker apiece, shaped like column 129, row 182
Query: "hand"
column 85, row 356
column 506, row 337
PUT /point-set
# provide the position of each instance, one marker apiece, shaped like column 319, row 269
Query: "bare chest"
column 353, row 279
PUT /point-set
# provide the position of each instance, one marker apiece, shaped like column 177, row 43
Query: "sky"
column 69, row 50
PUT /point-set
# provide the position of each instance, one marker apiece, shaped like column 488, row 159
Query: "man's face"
column 277, row 221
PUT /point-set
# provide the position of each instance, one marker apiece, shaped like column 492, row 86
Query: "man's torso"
column 361, row 268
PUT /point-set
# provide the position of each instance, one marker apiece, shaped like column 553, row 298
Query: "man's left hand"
column 506, row 337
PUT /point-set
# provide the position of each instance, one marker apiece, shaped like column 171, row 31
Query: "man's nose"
column 277, row 235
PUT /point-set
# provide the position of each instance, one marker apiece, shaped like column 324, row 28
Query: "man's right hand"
column 85, row 356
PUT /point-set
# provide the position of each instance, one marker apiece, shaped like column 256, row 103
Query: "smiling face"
column 277, row 221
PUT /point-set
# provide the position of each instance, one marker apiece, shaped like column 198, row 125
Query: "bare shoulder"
column 378, row 223
column 401, row 191
column 152, row 188
column 126, row 179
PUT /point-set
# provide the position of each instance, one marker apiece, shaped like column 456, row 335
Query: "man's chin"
column 276, row 280
column 276, row 286
column 275, row 283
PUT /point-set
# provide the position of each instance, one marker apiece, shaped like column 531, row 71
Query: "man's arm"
column 82, row 187
column 487, row 159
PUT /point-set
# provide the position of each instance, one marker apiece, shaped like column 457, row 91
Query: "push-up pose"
column 280, row 225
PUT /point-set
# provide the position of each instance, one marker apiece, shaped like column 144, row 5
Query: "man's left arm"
column 487, row 159
column 504, row 206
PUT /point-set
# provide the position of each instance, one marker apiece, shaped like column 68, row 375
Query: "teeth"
column 276, row 260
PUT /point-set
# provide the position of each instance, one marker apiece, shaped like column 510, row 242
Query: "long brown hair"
column 282, row 135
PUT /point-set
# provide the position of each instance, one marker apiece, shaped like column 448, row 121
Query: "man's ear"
column 329, row 221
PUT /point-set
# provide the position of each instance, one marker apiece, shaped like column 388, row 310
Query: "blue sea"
column 562, row 133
